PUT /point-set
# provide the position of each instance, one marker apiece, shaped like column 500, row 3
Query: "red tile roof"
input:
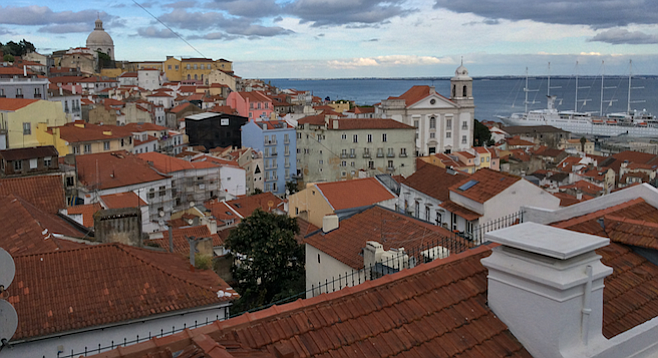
column 317, row 120
column 273, row 124
column 415, row 94
column 354, row 193
column 516, row 141
column 437, row 309
column 87, row 211
column 489, row 184
column 181, row 107
column 167, row 164
column 368, row 123
column 73, row 133
column 26, row 229
column 43, row 191
column 632, row 232
column 434, row 181
column 393, row 230
column 568, row 200
column 122, row 200
column 143, row 127
column 223, row 109
column 116, row 169
column 585, row 187
column 14, row 104
column 459, row 210
column 305, row 228
column 120, row 283
column 179, row 235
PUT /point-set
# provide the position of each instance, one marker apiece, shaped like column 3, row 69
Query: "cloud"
column 208, row 20
column 387, row 61
column 484, row 22
column 116, row 23
column 43, row 15
column 211, row 36
column 342, row 12
column 148, row 4
column 594, row 13
column 65, row 28
column 372, row 40
column 183, row 4
column 623, row 36
column 5, row 31
column 250, row 9
column 152, row 32
column 277, row 19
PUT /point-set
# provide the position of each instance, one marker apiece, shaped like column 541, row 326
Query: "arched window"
column 195, row 77
column 454, row 90
column 465, row 92
column 188, row 76
column 432, row 123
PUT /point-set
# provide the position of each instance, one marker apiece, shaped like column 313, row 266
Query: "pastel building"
column 252, row 105
column 278, row 142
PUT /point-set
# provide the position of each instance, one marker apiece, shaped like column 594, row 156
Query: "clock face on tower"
column 432, row 101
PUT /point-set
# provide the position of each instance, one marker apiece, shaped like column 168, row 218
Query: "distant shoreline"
column 447, row 78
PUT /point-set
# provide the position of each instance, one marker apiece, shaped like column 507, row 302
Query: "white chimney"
column 372, row 253
column 335, row 124
column 546, row 285
column 212, row 226
column 329, row 222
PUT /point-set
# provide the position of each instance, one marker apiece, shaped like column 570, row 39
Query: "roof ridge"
column 122, row 248
column 630, row 220
column 598, row 213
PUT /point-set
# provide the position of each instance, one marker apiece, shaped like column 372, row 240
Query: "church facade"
column 443, row 125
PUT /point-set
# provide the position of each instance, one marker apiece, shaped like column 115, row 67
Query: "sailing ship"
column 631, row 123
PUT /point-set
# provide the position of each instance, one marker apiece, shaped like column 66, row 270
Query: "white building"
column 442, row 124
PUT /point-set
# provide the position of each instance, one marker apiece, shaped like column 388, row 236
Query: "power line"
column 169, row 28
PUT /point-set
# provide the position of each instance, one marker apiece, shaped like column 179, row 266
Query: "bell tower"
column 461, row 87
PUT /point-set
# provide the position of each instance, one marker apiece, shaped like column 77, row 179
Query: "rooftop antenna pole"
column 602, row 74
column 575, row 108
column 549, row 79
column 526, row 90
column 630, row 74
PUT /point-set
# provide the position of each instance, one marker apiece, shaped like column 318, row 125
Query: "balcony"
column 380, row 154
column 352, row 155
column 275, row 154
column 366, row 155
column 390, row 155
column 286, row 141
column 390, row 169
column 403, row 155
column 343, row 155
column 287, row 165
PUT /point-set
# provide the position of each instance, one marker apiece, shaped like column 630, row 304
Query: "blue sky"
column 358, row 38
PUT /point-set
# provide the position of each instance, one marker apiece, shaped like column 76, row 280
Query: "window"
column 355, row 138
column 417, row 207
column 27, row 128
column 371, row 164
column 343, row 136
column 448, row 134
column 47, row 161
column 176, row 67
column 352, row 152
column 169, row 67
column 106, row 145
column 33, row 163
column 384, row 137
column 464, row 125
column 403, row 152
column 320, row 162
column 369, row 138
column 37, row 92
column 449, row 123
column 285, row 138
column 427, row 213
column 87, row 148
column 352, row 164
column 122, row 142
column 299, row 135
column 432, row 135
column 19, row 93
column 76, row 149
column 151, row 193
column 188, row 66
column 343, row 163
column 18, row 164
column 463, row 139
column 416, row 123
column 195, row 66
column 432, row 122
column 390, row 164
column 2, row 92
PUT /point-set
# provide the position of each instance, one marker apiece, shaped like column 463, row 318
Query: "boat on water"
column 631, row 123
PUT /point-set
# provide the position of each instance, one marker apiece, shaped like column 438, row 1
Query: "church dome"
column 461, row 73
column 100, row 40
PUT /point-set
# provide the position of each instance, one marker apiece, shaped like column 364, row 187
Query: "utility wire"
column 169, row 28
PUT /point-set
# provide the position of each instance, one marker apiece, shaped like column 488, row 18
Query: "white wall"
column 327, row 269
column 113, row 335
column 233, row 180
column 411, row 195
column 510, row 200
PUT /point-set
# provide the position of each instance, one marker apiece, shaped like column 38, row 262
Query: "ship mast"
column 602, row 74
column 630, row 74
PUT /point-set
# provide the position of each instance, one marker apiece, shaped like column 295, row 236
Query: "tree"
column 292, row 187
column 257, row 191
column 18, row 49
column 8, row 58
column 481, row 135
column 583, row 140
column 269, row 262
column 104, row 60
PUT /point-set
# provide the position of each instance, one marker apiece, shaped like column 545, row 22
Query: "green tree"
column 292, row 187
column 481, row 135
column 269, row 262
column 583, row 140
column 257, row 191
column 18, row 49
column 8, row 58
column 104, row 60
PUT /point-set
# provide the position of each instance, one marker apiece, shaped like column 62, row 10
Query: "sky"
column 358, row 38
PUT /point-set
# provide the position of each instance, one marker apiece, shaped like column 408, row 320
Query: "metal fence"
column 476, row 235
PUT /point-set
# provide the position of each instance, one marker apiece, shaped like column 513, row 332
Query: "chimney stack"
column 329, row 222
column 546, row 285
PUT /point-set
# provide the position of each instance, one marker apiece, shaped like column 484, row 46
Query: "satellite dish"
column 161, row 213
column 191, row 204
column 8, row 320
column 270, row 203
column 7, row 269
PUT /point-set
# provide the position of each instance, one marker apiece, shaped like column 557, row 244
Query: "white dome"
column 461, row 73
column 100, row 40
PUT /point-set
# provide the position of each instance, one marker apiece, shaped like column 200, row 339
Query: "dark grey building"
column 213, row 130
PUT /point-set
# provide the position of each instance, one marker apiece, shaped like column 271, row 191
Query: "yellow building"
column 340, row 106
column 309, row 204
column 221, row 77
column 198, row 69
column 20, row 117
column 111, row 72
column 85, row 138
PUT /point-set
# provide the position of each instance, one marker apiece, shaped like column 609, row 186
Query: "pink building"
column 252, row 105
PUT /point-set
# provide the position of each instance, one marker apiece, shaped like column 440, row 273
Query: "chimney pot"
column 329, row 223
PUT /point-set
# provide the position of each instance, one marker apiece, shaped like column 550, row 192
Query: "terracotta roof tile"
column 489, row 184
column 26, row 229
column 122, row 200
column 76, row 132
column 14, row 104
column 380, row 318
column 585, row 187
column 43, row 191
column 459, row 210
column 181, row 246
column 632, row 232
column 346, row 243
column 434, row 181
column 368, row 123
column 354, row 193
column 415, row 94
column 121, row 283
column 87, row 211
column 118, row 169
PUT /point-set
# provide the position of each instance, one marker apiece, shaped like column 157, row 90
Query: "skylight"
column 468, row 185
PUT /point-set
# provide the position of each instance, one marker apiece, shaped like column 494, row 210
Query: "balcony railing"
column 403, row 155
column 366, row 155
column 390, row 155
